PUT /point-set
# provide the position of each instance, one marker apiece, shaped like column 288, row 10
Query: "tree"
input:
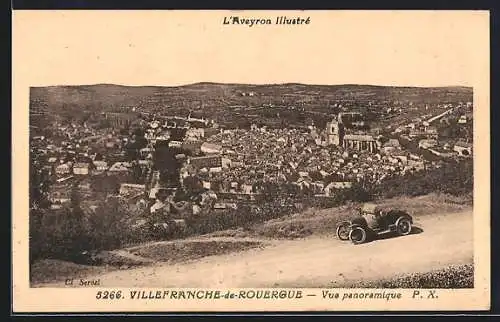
column 165, row 161
column 108, row 227
column 35, row 234
column 455, row 178
column 103, row 124
column 356, row 193
column 383, row 140
column 75, row 195
column 138, row 132
column 316, row 176
column 192, row 183
column 39, row 186
column 105, row 184
column 137, row 173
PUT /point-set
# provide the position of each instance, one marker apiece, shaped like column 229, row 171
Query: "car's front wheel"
column 343, row 230
column 403, row 226
column 357, row 235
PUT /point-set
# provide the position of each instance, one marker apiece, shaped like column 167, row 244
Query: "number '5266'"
column 108, row 295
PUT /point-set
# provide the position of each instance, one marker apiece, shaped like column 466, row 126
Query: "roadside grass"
column 452, row 277
column 54, row 270
column 324, row 221
column 182, row 251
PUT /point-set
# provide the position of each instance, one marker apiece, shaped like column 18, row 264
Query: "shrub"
column 453, row 178
column 66, row 233
column 60, row 234
column 453, row 277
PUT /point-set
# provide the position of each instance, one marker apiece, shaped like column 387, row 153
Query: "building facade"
column 360, row 143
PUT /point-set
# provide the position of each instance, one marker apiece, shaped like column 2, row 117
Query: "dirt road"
column 315, row 261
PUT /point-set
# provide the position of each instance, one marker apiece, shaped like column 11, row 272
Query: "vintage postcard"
column 250, row 161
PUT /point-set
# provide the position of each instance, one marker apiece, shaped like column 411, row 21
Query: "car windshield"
column 369, row 209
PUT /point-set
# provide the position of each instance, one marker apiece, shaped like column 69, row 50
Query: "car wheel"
column 357, row 235
column 403, row 226
column 343, row 230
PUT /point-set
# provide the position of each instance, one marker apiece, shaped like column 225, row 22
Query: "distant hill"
column 217, row 96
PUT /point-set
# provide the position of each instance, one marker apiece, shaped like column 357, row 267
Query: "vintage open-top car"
column 373, row 221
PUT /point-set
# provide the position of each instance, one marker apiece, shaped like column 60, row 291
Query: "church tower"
column 334, row 133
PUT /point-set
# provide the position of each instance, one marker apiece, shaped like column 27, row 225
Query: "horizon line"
column 252, row 84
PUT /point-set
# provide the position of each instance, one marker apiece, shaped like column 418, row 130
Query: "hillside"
column 239, row 105
column 279, row 253
column 212, row 94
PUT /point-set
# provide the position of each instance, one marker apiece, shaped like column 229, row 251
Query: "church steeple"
column 334, row 132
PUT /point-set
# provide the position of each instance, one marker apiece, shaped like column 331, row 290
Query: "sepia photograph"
column 253, row 185
column 168, row 169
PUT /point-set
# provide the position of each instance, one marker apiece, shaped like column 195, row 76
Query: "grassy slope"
column 302, row 224
column 49, row 270
column 324, row 221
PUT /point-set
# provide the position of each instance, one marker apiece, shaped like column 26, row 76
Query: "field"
column 214, row 95
column 230, row 105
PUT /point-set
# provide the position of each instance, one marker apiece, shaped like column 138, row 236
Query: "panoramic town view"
column 239, row 185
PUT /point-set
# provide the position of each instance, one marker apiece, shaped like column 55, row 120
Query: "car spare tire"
column 357, row 235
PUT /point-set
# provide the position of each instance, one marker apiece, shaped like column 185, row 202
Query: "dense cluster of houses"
column 77, row 154
column 250, row 158
column 322, row 160
column 235, row 161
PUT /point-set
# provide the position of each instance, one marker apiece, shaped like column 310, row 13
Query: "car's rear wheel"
column 357, row 235
column 343, row 230
column 403, row 226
